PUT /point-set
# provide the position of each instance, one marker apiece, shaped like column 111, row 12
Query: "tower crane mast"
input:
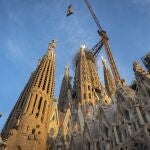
column 104, row 41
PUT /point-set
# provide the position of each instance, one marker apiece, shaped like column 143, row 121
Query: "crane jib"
column 96, row 49
column 93, row 15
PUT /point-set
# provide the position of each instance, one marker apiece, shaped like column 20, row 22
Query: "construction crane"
column 104, row 41
column 96, row 49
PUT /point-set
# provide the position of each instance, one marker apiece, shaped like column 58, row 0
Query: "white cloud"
column 141, row 2
column 13, row 51
column 143, row 6
column 14, row 18
column 17, row 52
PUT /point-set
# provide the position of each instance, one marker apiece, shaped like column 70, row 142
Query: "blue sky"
column 27, row 26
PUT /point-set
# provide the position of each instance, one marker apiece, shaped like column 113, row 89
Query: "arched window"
column 127, row 114
column 106, row 131
column 18, row 147
column 88, row 146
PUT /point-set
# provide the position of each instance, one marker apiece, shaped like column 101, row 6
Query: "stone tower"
column 27, row 124
column 108, row 78
column 63, row 103
column 96, row 84
column 82, row 81
column 97, row 87
column 87, row 85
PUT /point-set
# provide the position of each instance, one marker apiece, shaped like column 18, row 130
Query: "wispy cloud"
column 141, row 2
column 13, row 51
column 143, row 6
column 17, row 52
column 14, row 18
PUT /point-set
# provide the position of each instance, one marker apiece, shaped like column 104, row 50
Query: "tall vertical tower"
column 63, row 102
column 88, row 88
column 97, row 86
column 95, row 80
column 109, row 80
column 82, row 81
column 27, row 125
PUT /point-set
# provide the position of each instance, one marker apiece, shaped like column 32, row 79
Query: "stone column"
column 116, row 135
column 147, row 117
column 139, row 115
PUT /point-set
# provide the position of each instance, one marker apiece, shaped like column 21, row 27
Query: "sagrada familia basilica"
column 87, row 114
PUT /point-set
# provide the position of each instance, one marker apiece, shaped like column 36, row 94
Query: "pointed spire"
column 67, row 70
column 137, row 67
column 82, row 46
column 39, row 61
column 51, row 47
column 139, row 70
column 109, row 81
column 35, row 103
column 63, row 102
column 82, row 49
column 103, row 61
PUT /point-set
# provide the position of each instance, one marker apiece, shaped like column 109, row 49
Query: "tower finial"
column 82, row 46
column 67, row 70
column 67, row 67
column 109, row 81
column 52, row 45
column 103, row 60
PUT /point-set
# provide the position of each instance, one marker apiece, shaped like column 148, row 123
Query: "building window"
column 84, row 95
column 29, row 102
column 89, row 96
column 138, row 123
column 97, row 145
column 134, row 124
column 34, row 103
column 27, row 127
column 51, row 132
column 53, row 118
column 88, row 146
column 144, row 117
column 119, row 135
column 18, row 147
column 106, row 131
column 33, row 131
column 127, row 114
column 39, row 106
column 148, row 91
column 43, row 111
column 124, row 134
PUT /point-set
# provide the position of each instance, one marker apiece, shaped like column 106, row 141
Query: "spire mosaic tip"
column 82, row 46
column 52, row 44
column 67, row 67
column 67, row 70
column 103, row 60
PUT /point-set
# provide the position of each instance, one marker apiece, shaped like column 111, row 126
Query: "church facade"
column 87, row 115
